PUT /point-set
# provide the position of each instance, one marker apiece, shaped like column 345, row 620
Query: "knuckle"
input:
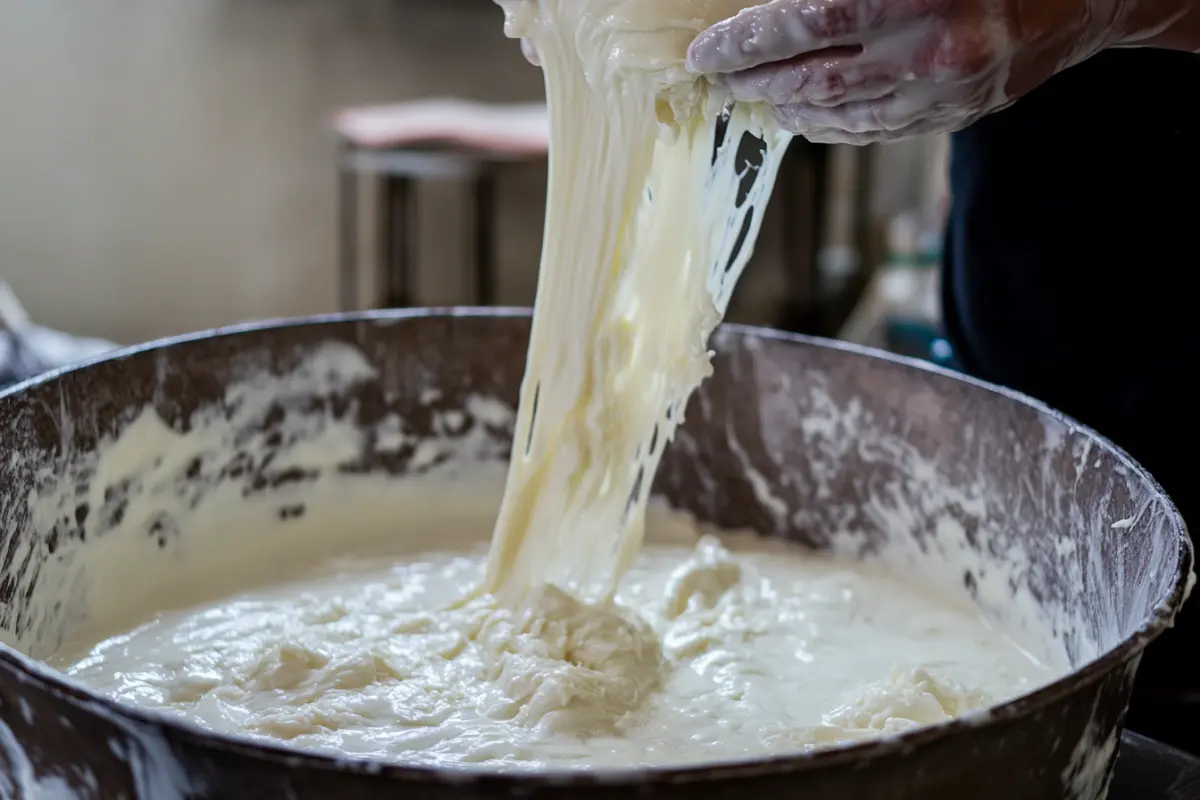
column 963, row 53
column 827, row 85
column 830, row 87
column 830, row 19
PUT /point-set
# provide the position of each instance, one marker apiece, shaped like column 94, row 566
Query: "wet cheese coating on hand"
column 708, row 655
column 650, row 220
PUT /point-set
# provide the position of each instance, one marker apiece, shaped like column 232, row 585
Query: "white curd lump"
column 709, row 654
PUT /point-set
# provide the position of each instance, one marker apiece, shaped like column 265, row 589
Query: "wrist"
column 1170, row 24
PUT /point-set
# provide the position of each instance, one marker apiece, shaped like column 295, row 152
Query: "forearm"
column 1169, row 24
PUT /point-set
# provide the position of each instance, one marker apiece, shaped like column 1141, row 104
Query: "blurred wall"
column 166, row 165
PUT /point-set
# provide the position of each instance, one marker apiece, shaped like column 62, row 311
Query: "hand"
column 861, row 71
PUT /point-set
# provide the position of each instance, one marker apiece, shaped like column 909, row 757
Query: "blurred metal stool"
column 803, row 189
column 437, row 139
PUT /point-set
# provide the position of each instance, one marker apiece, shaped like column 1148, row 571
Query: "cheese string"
column 653, row 206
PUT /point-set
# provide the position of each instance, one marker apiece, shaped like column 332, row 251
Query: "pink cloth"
column 513, row 128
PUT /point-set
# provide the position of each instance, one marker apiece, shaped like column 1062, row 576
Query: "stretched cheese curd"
column 567, row 643
column 652, row 212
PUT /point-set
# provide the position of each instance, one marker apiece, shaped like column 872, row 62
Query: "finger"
column 529, row 49
column 830, row 88
column 876, row 120
column 821, row 135
column 868, row 116
column 837, row 136
column 822, row 83
column 943, row 67
column 774, row 31
column 785, row 29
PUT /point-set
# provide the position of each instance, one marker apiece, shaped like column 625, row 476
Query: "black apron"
column 1071, row 258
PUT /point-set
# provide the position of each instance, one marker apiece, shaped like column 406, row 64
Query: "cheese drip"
column 656, row 194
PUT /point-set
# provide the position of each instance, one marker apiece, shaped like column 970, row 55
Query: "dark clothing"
column 1072, row 248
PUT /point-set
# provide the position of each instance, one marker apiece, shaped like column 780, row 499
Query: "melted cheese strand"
column 648, row 226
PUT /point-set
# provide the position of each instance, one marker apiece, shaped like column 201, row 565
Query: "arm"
column 1168, row 24
column 861, row 71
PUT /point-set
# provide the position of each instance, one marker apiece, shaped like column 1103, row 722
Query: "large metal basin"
column 828, row 445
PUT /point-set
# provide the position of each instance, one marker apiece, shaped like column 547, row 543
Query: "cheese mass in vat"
column 710, row 654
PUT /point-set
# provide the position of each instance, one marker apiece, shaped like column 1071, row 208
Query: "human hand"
column 862, row 71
